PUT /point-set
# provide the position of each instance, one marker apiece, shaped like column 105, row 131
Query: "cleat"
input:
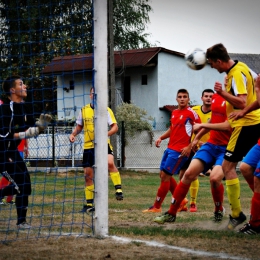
column 202, row 174
column 218, row 215
column 152, row 209
column 233, row 222
column 183, row 205
column 87, row 209
column 119, row 195
column 193, row 207
column 166, row 217
column 184, row 208
column 4, row 202
column 249, row 230
column 24, row 225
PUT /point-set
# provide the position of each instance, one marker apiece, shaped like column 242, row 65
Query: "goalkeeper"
column 17, row 123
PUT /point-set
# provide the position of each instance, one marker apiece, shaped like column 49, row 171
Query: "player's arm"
column 238, row 101
column 225, row 126
column 165, row 135
column 237, row 115
column 41, row 125
column 113, row 129
column 75, row 132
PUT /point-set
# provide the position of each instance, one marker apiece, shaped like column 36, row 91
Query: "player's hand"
column 72, row 138
column 218, row 87
column 186, row 151
column 194, row 145
column 197, row 127
column 236, row 115
column 158, row 142
column 43, row 121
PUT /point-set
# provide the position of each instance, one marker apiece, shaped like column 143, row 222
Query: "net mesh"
column 33, row 34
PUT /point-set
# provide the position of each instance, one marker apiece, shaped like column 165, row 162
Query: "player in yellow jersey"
column 239, row 92
column 85, row 122
column 204, row 112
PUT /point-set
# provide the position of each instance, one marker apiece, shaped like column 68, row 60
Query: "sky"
column 181, row 25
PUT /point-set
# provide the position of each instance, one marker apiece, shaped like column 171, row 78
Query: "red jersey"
column 20, row 147
column 218, row 115
column 181, row 128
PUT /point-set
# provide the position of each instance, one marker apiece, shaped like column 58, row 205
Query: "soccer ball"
column 196, row 59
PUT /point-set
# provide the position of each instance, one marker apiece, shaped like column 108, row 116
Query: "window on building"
column 144, row 79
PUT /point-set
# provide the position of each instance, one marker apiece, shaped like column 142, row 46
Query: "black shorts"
column 243, row 138
column 89, row 156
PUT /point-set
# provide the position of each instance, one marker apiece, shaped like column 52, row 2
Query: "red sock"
column 255, row 212
column 161, row 194
column 3, row 182
column 9, row 198
column 178, row 196
column 173, row 185
column 218, row 196
column 250, row 183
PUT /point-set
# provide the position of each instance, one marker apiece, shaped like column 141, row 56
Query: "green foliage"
column 34, row 32
column 130, row 20
column 135, row 119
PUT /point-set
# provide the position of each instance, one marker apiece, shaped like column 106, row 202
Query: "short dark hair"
column 207, row 90
column 183, row 90
column 218, row 52
column 9, row 83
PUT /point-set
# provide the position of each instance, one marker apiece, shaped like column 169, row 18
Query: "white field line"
column 149, row 243
column 181, row 249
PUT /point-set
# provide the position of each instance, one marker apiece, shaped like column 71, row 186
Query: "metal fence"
column 53, row 149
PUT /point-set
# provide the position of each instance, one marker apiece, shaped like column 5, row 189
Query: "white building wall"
column 173, row 74
column 69, row 103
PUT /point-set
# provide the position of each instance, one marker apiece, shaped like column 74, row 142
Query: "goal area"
column 59, row 48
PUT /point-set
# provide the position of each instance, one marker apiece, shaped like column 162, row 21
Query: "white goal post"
column 101, row 90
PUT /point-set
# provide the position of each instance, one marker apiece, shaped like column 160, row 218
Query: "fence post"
column 123, row 144
column 53, row 146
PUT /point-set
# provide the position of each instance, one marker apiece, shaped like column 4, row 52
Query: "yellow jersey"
column 86, row 119
column 240, row 80
column 204, row 117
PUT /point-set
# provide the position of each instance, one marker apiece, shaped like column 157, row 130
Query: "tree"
column 130, row 20
column 135, row 119
column 34, row 32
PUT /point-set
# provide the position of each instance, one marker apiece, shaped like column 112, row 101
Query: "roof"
column 251, row 60
column 169, row 108
column 128, row 58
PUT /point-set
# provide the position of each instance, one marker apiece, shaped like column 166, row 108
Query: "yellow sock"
column 89, row 194
column 116, row 179
column 233, row 193
column 194, row 188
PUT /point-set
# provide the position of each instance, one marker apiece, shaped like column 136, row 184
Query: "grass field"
column 192, row 236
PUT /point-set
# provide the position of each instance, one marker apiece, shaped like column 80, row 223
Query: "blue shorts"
column 211, row 155
column 172, row 162
column 253, row 159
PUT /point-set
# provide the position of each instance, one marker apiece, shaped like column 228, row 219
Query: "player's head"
column 14, row 85
column 182, row 98
column 206, row 96
column 91, row 92
column 217, row 55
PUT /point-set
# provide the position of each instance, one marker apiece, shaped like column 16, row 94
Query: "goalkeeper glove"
column 43, row 121
column 29, row 133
